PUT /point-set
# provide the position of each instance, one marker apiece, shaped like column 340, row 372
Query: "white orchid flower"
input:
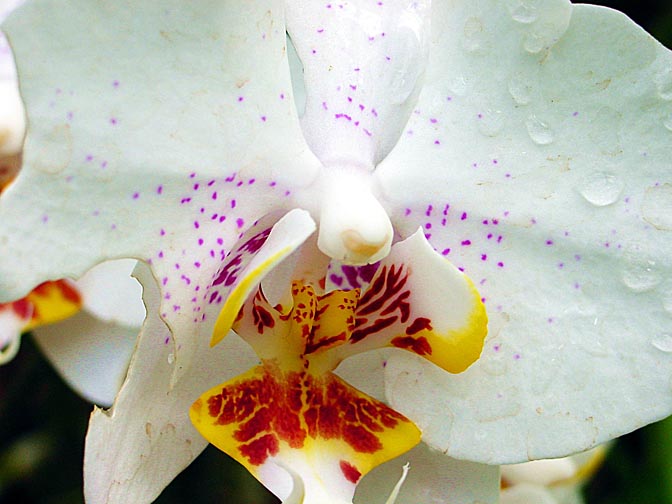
column 529, row 141
column 291, row 414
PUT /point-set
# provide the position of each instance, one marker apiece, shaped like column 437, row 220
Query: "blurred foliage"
column 43, row 424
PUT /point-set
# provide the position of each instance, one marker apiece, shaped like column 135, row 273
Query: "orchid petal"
column 146, row 116
column 110, row 293
column 526, row 493
column 540, row 160
column 92, row 349
column 48, row 303
column 12, row 121
column 137, row 447
column 395, row 491
column 432, row 477
column 91, row 355
column 12, row 127
column 258, row 251
column 9, row 167
column 362, row 65
column 541, row 472
column 562, row 478
column 13, row 318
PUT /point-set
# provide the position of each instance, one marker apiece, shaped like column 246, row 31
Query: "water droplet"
column 657, row 206
column 56, row 152
column 663, row 82
column 606, row 136
column 520, row 90
column 667, row 301
column 407, row 66
column 663, row 342
column 473, row 34
column 491, row 122
column 641, row 276
column 601, row 188
column 458, row 85
column 667, row 122
column 171, row 358
column 523, row 11
column 494, row 366
column 539, row 131
column 534, row 43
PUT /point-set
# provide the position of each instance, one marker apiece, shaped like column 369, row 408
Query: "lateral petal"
column 539, row 162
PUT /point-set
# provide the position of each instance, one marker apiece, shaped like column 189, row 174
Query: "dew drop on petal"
column 657, row 206
column 663, row 82
column 520, row 90
column 601, row 188
column 523, row 11
column 534, row 43
column 663, row 342
column 540, row 132
column 667, row 301
column 641, row 272
column 667, row 122
column 473, row 34
column 642, row 276
column 458, row 85
column 494, row 366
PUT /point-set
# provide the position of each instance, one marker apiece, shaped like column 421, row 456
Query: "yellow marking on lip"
column 240, row 293
column 52, row 302
column 459, row 349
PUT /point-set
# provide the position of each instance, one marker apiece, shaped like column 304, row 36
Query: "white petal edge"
column 91, row 355
column 137, row 447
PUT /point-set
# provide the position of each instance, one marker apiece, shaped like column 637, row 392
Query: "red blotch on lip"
column 349, row 471
column 22, row 308
column 419, row 346
column 418, row 325
column 276, row 406
column 258, row 450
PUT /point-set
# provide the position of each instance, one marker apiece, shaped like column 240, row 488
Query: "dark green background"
column 42, row 423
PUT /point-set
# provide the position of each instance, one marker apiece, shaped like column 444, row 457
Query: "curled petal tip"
column 9, row 351
column 395, row 491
